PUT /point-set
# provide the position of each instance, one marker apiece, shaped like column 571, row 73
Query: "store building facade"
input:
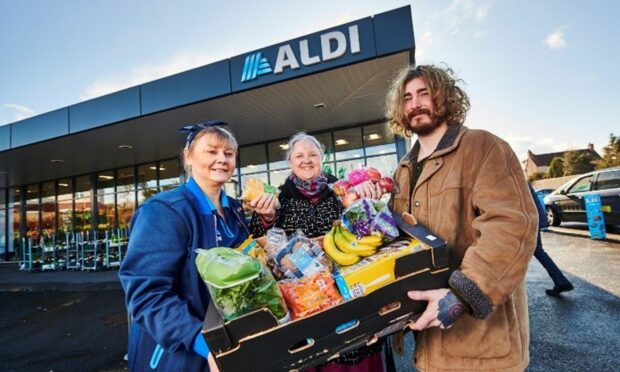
column 85, row 168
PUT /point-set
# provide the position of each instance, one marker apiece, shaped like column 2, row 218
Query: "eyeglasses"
column 192, row 130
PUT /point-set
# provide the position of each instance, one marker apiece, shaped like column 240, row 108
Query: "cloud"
column 460, row 17
column 12, row 112
column 555, row 40
column 182, row 61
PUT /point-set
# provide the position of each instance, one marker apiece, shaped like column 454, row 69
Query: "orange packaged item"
column 310, row 294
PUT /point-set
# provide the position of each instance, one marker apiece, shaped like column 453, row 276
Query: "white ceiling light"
column 373, row 136
column 340, row 142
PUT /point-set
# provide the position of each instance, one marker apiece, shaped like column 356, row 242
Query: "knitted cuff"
column 469, row 291
column 267, row 223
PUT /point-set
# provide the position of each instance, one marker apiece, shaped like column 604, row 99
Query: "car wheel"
column 552, row 218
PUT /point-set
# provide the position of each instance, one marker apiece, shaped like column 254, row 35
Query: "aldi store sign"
column 334, row 47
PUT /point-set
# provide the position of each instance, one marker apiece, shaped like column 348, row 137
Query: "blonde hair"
column 220, row 134
column 450, row 101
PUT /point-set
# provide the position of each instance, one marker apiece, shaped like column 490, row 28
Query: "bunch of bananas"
column 346, row 249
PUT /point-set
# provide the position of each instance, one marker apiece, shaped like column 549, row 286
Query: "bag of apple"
column 347, row 188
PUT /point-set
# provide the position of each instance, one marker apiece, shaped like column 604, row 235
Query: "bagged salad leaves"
column 367, row 216
column 239, row 284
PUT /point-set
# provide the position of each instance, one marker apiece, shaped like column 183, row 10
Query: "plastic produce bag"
column 239, row 284
column 367, row 216
column 310, row 294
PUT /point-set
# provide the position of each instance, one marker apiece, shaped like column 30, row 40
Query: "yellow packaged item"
column 375, row 271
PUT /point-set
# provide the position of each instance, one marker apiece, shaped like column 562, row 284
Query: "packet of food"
column 254, row 188
column 310, row 294
column 366, row 216
column 239, row 284
column 253, row 249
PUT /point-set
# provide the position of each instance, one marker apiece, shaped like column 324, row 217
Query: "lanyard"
column 208, row 209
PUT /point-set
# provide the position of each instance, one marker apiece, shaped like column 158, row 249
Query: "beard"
column 423, row 128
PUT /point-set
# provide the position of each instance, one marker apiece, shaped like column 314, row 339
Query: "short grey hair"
column 303, row 136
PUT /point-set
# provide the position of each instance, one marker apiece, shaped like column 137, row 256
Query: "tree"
column 556, row 168
column 537, row 176
column 611, row 153
column 577, row 162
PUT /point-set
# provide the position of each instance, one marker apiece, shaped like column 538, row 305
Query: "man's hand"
column 443, row 308
column 368, row 189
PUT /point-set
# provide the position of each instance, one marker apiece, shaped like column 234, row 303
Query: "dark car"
column 566, row 204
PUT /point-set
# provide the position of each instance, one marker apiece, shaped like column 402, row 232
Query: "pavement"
column 76, row 320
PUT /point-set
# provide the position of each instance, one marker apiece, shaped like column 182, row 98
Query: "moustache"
column 418, row 112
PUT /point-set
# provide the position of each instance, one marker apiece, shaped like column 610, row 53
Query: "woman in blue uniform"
column 165, row 296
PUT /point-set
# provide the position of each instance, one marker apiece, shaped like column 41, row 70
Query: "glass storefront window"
column 3, row 230
column 386, row 164
column 65, row 208
column 147, row 180
column 48, row 210
column 126, row 204
column 32, row 211
column 277, row 177
column 252, row 159
column 15, row 221
column 82, row 200
column 169, row 174
column 147, row 175
column 277, row 154
column 379, row 139
column 106, row 213
column 125, row 179
column 348, row 144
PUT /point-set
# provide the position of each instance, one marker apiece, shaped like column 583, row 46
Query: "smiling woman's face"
column 212, row 160
column 305, row 160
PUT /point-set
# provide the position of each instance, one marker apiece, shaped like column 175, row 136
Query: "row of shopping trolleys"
column 84, row 250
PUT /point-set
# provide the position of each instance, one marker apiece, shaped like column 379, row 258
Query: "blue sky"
column 541, row 74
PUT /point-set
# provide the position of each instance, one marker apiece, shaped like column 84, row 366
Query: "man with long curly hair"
column 467, row 187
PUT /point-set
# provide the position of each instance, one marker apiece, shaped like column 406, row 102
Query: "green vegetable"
column 238, row 283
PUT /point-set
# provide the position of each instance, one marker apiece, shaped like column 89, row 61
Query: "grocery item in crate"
column 310, row 294
column 344, row 248
column 375, row 271
column 253, row 249
column 368, row 217
column 238, row 283
column 300, row 256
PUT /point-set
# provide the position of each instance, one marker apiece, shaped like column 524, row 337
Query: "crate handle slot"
column 301, row 345
column 389, row 308
column 346, row 327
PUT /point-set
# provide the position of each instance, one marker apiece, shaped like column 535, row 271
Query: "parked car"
column 566, row 204
column 543, row 192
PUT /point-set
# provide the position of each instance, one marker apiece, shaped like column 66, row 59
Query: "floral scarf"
column 310, row 189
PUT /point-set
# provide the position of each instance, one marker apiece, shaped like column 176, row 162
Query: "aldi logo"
column 255, row 64
column 333, row 45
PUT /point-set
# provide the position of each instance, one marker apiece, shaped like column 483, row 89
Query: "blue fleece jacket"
column 164, row 294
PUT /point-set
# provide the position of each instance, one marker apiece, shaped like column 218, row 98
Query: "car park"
column 566, row 204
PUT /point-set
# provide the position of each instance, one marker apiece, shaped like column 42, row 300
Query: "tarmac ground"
column 76, row 321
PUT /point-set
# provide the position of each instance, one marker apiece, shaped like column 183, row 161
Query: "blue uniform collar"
column 206, row 206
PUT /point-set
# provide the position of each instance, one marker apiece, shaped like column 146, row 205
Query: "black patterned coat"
column 298, row 212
